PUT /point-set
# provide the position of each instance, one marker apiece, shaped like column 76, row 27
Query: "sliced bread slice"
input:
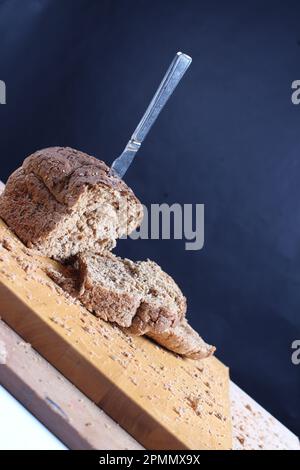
column 138, row 296
column 142, row 298
column 121, row 291
column 183, row 340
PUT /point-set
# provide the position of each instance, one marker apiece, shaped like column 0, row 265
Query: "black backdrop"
column 80, row 73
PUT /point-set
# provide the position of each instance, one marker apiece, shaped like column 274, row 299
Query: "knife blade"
column 174, row 74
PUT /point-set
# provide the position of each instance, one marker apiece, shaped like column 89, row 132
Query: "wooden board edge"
column 54, row 401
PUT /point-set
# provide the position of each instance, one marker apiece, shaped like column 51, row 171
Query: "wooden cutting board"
column 164, row 401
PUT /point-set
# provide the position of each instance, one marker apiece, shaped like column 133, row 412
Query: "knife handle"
column 174, row 74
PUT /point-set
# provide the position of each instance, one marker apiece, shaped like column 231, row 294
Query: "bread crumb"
column 6, row 243
column 248, row 407
column 195, row 403
column 219, row 416
column 167, row 386
column 57, row 321
column 179, row 410
column 133, row 380
column 26, row 346
column 29, row 295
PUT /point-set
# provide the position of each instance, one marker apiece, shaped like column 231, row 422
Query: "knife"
column 174, row 74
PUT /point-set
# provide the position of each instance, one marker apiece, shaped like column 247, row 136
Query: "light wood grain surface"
column 80, row 424
column 51, row 398
column 70, row 414
column 256, row 429
column 164, row 401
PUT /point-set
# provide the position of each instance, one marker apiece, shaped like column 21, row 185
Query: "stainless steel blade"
column 174, row 74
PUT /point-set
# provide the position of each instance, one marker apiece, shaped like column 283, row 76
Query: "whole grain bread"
column 120, row 291
column 62, row 202
column 184, row 340
column 142, row 298
column 138, row 296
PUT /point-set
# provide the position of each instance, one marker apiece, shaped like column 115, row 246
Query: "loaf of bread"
column 62, row 202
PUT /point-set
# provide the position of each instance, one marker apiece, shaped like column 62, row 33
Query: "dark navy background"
column 80, row 73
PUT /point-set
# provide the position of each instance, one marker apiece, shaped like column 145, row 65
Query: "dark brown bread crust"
column 157, row 319
column 65, row 172
column 46, row 188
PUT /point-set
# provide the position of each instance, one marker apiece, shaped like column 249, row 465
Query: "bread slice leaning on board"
column 64, row 204
column 149, row 300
